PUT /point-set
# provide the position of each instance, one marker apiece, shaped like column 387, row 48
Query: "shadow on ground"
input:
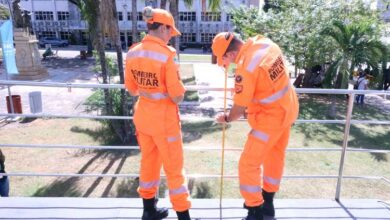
column 193, row 131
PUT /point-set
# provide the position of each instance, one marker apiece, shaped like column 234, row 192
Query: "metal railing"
column 348, row 121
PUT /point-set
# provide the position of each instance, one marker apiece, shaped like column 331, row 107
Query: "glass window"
column 63, row 15
column 120, row 16
column 139, row 16
column 229, row 17
column 44, row 15
column 211, row 16
column 207, row 37
column 187, row 16
column 48, row 34
column 65, row 35
column 188, row 37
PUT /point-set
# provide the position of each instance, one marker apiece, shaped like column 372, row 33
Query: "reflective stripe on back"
column 148, row 185
column 148, row 54
column 274, row 97
column 259, row 135
column 271, row 180
column 179, row 190
column 250, row 189
column 155, row 96
column 259, row 54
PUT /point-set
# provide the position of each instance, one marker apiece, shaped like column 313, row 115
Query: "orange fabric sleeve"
column 174, row 84
column 244, row 88
column 130, row 84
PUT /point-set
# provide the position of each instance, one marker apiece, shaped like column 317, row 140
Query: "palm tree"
column 4, row 12
column 357, row 46
column 101, row 17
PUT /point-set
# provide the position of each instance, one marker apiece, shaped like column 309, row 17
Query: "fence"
column 348, row 121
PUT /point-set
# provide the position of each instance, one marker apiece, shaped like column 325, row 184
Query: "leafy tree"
column 297, row 27
column 102, row 21
column 357, row 46
column 4, row 12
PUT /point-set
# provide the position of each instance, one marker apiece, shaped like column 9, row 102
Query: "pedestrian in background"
column 4, row 181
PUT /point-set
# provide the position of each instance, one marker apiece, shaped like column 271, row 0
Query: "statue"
column 17, row 14
column 27, row 22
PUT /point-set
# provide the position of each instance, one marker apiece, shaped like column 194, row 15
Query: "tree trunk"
column 204, row 5
column 134, row 16
column 174, row 9
column 163, row 4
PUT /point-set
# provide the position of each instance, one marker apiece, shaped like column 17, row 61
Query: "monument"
column 28, row 59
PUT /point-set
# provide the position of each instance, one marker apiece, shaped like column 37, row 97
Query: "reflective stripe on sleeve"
column 179, row 190
column 148, row 54
column 148, row 185
column 259, row 135
column 274, row 97
column 173, row 139
column 250, row 189
column 257, row 57
column 271, row 180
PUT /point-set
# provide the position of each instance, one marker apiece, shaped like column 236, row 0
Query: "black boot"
column 151, row 212
column 268, row 206
column 185, row 215
column 254, row 213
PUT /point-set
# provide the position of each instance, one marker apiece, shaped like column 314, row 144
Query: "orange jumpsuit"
column 152, row 73
column 262, row 85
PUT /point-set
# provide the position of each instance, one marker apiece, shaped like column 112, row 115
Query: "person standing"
column 153, row 74
column 262, row 88
column 4, row 182
column 362, row 84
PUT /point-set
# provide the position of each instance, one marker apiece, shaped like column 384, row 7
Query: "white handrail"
column 189, row 148
column 189, row 88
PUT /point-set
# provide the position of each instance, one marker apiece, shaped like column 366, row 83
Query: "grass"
column 195, row 58
column 188, row 78
column 200, row 134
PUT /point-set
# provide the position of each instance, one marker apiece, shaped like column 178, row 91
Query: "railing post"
column 345, row 144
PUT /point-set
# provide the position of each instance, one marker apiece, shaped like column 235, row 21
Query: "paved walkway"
column 122, row 208
column 56, row 100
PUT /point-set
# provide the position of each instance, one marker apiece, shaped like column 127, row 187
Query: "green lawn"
column 188, row 78
column 195, row 58
column 200, row 134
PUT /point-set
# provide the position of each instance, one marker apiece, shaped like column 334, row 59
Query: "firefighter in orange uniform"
column 262, row 88
column 151, row 73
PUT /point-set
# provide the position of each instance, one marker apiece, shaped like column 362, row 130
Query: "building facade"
column 62, row 19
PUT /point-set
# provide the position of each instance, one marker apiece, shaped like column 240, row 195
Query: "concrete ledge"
column 122, row 208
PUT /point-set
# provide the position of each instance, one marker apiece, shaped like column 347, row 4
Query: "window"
column 187, row 16
column 48, row 34
column 64, row 35
column 44, row 15
column 120, row 16
column 211, row 16
column 188, row 37
column 207, row 37
column 139, row 16
column 229, row 17
column 63, row 15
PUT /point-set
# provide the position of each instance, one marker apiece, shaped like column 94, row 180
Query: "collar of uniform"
column 246, row 46
column 154, row 39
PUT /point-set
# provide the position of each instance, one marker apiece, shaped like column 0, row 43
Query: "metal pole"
column 6, row 73
column 345, row 144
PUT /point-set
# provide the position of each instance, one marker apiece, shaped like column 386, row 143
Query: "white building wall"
column 203, row 30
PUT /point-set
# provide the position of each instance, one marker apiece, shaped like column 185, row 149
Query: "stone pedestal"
column 28, row 59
